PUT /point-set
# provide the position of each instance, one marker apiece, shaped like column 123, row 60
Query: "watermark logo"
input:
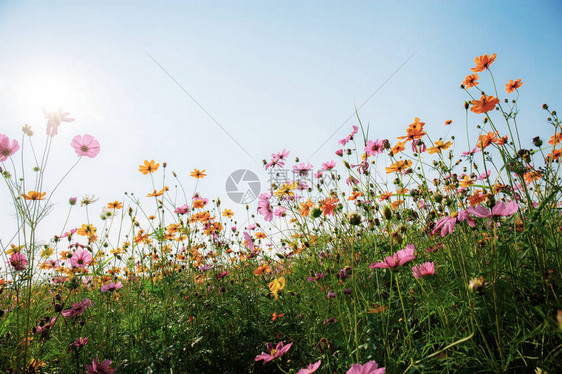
column 243, row 186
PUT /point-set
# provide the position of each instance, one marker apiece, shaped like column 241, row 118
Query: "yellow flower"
column 34, row 195
column 439, row 146
column 198, row 174
column 277, row 285
column 227, row 213
column 148, row 167
column 286, row 189
column 46, row 252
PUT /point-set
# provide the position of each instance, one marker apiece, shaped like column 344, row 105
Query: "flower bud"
column 354, row 218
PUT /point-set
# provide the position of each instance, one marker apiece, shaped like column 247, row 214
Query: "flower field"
column 454, row 266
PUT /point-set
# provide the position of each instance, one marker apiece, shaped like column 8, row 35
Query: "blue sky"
column 275, row 75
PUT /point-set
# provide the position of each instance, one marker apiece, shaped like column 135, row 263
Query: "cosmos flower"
column 273, row 353
column 18, row 261
column 370, row 367
column 398, row 259
column 7, row 148
column 483, row 62
column 100, row 368
column 85, row 145
column 427, row 268
column 81, row 259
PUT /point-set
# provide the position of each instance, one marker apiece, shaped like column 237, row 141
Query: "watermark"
column 243, row 186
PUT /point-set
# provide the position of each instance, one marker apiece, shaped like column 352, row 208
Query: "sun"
column 49, row 91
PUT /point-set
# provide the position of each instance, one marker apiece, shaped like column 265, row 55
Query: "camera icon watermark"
column 243, row 186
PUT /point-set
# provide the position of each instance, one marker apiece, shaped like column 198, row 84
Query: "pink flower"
column 311, row 368
column 278, row 351
column 418, row 146
column 399, row 258
column 339, row 152
column 6, row 148
column 55, row 119
column 427, row 268
column 86, row 145
column 370, row 367
column 280, row 211
column 329, row 165
column 302, row 169
column 484, row 175
column 111, row 286
column 77, row 309
column 81, row 259
column 277, row 159
column 100, row 368
column 352, row 180
column 18, row 261
column 264, row 207
column 447, row 224
column 470, row 153
column 80, row 342
column 373, row 148
column 348, row 138
column 500, row 209
column 182, row 209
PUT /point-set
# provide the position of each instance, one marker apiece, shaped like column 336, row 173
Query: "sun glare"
column 49, row 91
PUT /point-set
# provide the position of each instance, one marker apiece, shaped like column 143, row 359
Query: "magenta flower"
column 80, row 342
column 348, row 138
column 427, row 268
column 447, row 224
column 100, row 368
column 278, row 351
column 373, row 148
column 7, row 148
column 339, row 152
column 18, row 261
column 111, row 286
column 370, row 367
column 55, row 119
column 81, row 259
column 399, row 258
column 264, row 207
column 499, row 210
column 77, row 309
column 86, row 145
column 310, row 368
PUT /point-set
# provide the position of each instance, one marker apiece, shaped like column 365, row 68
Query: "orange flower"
column 399, row 166
column 401, row 191
column 198, row 174
column 354, row 195
column 439, row 146
column 414, row 131
column 86, row 230
column 396, row 204
column 159, row 193
column 466, row 181
column 555, row 139
column 477, row 198
column 328, row 205
column 483, row 62
column 385, row 196
column 486, row 139
column 554, row 155
column 305, row 208
column 34, row 195
column 260, row 235
column 199, row 204
column 148, row 167
column 399, row 147
column 448, row 122
column 115, row 205
column 262, row 269
column 227, row 213
column 512, row 86
column 485, row 104
column 532, row 176
column 275, row 316
column 470, row 81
